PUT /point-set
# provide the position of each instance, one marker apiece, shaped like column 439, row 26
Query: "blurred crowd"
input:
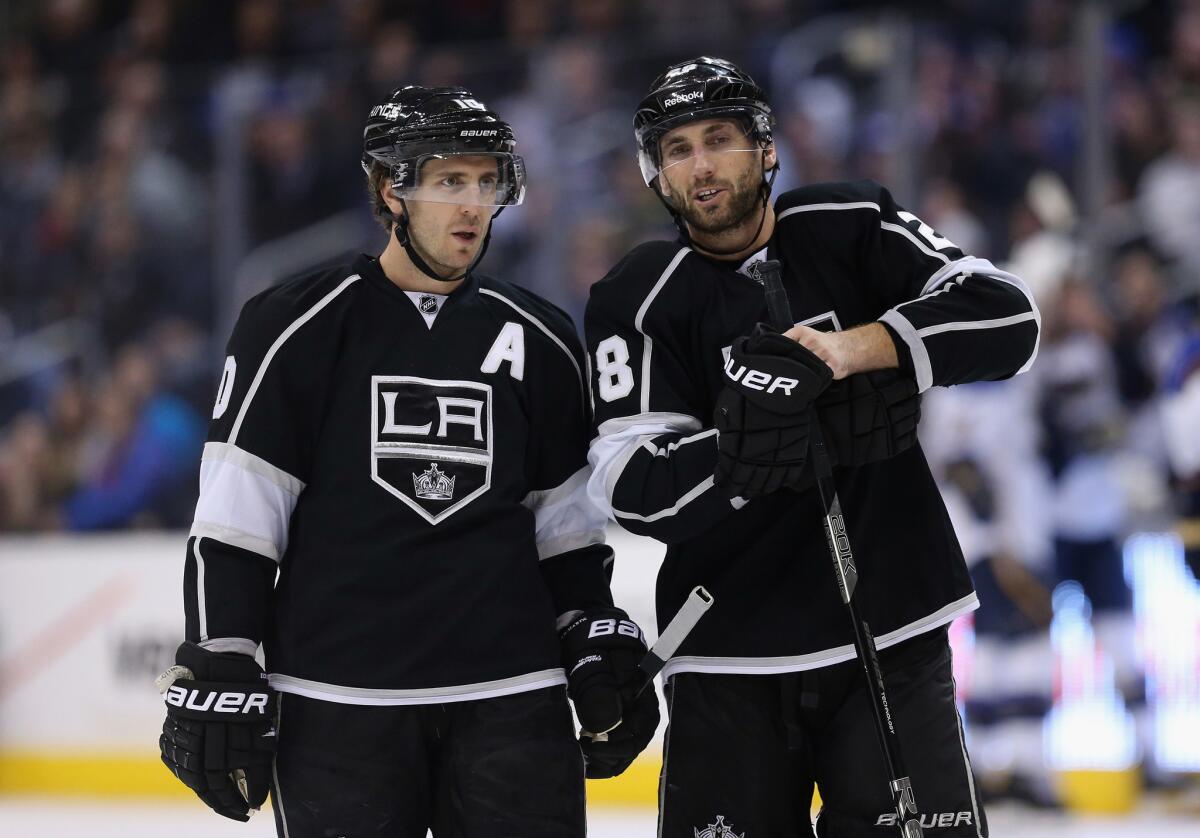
column 148, row 147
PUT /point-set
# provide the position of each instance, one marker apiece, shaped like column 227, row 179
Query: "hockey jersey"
column 393, row 491
column 659, row 328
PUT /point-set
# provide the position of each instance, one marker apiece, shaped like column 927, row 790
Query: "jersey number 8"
column 612, row 365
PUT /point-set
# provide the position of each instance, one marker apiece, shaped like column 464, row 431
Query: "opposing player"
column 393, row 503
column 703, row 430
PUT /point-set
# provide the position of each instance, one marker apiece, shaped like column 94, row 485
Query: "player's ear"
column 664, row 186
column 394, row 204
column 770, row 160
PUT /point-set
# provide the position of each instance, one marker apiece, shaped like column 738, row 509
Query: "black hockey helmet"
column 702, row 88
column 417, row 124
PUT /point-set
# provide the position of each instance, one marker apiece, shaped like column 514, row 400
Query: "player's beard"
column 745, row 197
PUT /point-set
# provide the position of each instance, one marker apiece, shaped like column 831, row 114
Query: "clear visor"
column 481, row 179
column 696, row 162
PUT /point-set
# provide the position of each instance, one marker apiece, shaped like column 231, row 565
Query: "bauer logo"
column 758, row 380
column 230, row 702
column 431, row 442
column 682, row 98
column 932, row 820
column 479, row 132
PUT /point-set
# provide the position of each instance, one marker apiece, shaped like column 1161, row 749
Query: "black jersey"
column 659, row 327
column 386, row 482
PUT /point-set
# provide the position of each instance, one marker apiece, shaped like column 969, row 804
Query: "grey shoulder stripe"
column 647, row 342
column 546, row 331
column 669, row 423
column 279, row 341
column 225, row 452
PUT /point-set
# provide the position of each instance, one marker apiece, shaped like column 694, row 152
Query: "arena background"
column 163, row 160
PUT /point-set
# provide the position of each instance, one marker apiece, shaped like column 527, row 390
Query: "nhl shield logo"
column 431, row 442
column 717, row 830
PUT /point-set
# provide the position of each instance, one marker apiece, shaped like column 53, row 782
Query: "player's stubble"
column 745, row 196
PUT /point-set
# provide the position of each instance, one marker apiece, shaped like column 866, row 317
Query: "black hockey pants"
column 506, row 767
column 743, row 752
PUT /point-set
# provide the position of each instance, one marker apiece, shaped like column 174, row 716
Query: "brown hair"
column 379, row 208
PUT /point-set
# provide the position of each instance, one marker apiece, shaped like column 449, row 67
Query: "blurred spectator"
column 141, row 453
column 1170, row 189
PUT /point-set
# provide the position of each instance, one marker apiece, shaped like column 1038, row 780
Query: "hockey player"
column 764, row 696
column 393, row 503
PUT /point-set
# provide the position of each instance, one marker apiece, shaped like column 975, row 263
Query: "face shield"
column 481, row 179
column 719, row 144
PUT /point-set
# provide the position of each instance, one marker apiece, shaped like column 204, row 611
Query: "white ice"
column 54, row 818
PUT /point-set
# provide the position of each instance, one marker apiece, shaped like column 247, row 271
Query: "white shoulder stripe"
column 920, row 245
column 279, row 341
column 201, row 607
column 871, row 205
column 542, row 327
column 695, row 492
column 965, row 325
column 829, row 206
column 647, row 343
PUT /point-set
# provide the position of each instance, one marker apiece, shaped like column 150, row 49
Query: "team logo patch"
column 431, row 442
column 720, row 829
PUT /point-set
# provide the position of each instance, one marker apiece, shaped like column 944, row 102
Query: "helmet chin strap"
column 400, row 228
column 767, row 182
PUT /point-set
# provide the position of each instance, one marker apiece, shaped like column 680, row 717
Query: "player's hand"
column 219, row 736
column 763, row 415
column 869, row 417
column 860, row 349
column 601, row 650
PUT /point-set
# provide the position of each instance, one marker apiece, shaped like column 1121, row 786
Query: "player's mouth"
column 706, row 195
column 465, row 236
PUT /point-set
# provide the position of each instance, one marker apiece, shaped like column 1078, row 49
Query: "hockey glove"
column 219, row 736
column 763, row 415
column 601, row 650
column 869, row 417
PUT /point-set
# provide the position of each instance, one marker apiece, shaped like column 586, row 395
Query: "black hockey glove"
column 601, row 650
column 219, row 736
column 763, row 415
column 869, row 417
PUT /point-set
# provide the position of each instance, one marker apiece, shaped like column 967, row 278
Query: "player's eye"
column 719, row 139
column 678, row 152
column 450, row 181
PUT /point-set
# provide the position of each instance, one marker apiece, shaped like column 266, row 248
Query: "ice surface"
column 54, row 818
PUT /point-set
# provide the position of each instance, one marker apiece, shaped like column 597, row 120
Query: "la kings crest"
column 431, row 442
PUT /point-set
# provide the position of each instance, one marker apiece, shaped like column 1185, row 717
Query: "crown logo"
column 720, row 829
column 433, row 484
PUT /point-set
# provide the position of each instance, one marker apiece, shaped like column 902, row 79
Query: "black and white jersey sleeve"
column 569, row 529
column 654, row 451
column 256, row 459
column 955, row 318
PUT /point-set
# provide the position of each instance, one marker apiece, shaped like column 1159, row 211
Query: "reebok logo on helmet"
column 682, row 98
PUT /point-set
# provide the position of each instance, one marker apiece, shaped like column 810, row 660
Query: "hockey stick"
column 681, row 625
column 907, row 817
